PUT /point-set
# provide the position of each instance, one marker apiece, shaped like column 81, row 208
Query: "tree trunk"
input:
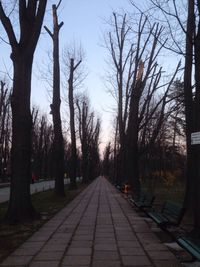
column 73, row 166
column 196, row 148
column 58, row 144
column 132, row 155
column 189, row 201
column 84, row 164
column 20, row 207
column 31, row 15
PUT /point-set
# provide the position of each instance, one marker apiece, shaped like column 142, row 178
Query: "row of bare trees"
column 156, row 114
column 185, row 17
column 34, row 145
column 143, row 98
column 42, row 156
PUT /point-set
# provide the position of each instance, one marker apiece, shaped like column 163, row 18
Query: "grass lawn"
column 11, row 236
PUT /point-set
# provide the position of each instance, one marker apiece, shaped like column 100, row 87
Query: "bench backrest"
column 173, row 211
column 142, row 196
column 149, row 199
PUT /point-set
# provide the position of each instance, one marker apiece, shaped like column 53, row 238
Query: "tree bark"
column 132, row 155
column 20, row 207
column 73, row 167
column 58, row 144
column 191, row 166
column 197, row 126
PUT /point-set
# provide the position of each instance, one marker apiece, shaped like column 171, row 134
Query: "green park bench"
column 145, row 201
column 191, row 244
column 170, row 215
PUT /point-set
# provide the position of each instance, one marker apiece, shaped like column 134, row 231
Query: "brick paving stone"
column 82, row 243
column 26, row 251
column 86, row 228
column 65, row 229
column 16, row 261
column 76, row 260
column 48, row 256
column 62, row 236
column 104, row 235
column 148, row 238
column 83, row 237
column 126, row 238
column 118, row 226
column 141, row 229
column 79, row 251
column 105, row 255
column 136, row 261
column 127, row 231
column 106, row 263
column 109, row 240
column 155, row 247
column 106, row 247
column 103, row 240
column 83, row 232
column 131, row 251
column 52, row 247
column 129, row 244
column 104, row 229
column 32, row 245
column 161, row 255
column 167, row 264
column 121, row 228
column 44, row 264
column 37, row 238
column 56, row 241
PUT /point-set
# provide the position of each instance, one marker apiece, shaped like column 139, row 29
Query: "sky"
column 85, row 23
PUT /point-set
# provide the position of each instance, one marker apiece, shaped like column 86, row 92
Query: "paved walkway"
column 97, row 229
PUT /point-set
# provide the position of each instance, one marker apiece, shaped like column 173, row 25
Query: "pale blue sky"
column 84, row 22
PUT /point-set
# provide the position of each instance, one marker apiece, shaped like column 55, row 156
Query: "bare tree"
column 42, row 145
column 189, row 29
column 31, row 14
column 106, row 160
column 122, row 59
column 58, row 145
column 141, row 81
column 89, row 130
column 73, row 168
column 5, row 130
column 192, row 108
column 84, row 124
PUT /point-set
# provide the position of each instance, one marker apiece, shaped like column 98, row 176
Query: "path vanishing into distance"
column 98, row 228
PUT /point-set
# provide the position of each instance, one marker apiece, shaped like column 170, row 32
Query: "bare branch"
column 76, row 66
column 57, row 6
column 49, row 32
column 8, row 27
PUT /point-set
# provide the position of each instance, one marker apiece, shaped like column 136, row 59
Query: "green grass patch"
column 47, row 203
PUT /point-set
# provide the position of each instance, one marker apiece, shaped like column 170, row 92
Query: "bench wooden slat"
column 170, row 214
column 192, row 245
column 145, row 201
column 157, row 217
